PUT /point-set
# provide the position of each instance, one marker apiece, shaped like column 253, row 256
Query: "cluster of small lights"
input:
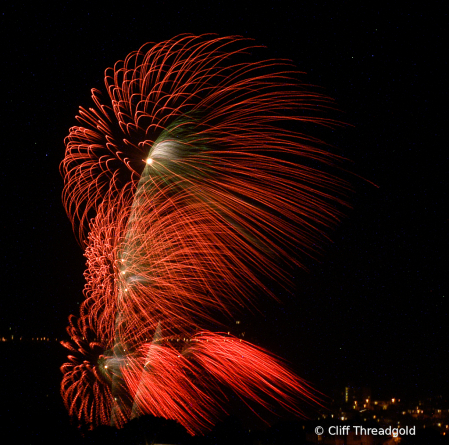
column 373, row 410
column 5, row 339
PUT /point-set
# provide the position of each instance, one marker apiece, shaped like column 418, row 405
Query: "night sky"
column 373, row 309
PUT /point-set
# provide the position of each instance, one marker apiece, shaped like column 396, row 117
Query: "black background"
column 373, row 310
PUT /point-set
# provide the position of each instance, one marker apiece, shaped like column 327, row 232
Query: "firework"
column 186, row 185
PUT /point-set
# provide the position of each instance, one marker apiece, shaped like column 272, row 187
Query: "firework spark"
column 186, row 186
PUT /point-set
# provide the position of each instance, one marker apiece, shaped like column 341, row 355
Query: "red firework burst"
column 185, row 187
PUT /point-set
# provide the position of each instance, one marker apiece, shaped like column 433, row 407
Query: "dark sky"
column 373, row 310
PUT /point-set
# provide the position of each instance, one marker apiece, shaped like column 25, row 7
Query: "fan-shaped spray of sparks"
column 185, row 187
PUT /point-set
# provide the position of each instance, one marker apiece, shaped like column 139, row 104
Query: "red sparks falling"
column 185, row 187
